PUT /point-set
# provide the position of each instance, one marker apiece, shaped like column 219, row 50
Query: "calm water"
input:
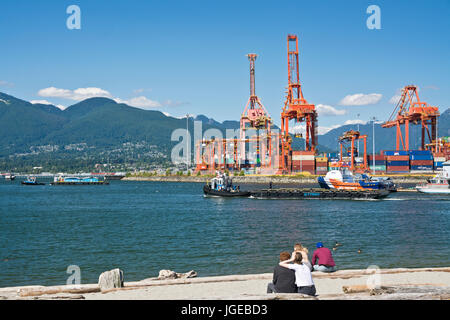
column 143, row 227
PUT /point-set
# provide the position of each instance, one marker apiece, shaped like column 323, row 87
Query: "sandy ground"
column 432, row 282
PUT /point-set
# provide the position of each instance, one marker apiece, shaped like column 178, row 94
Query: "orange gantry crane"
column 352, row 136
column 296, row 107
column 256, row 118
column 410, row 110
column 255, row 133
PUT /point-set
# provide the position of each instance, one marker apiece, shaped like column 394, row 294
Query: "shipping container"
column 308, row 166
column 377, row 162
column 397, row 158
column 322, row 165
column 377, row 157
column 438, row 164
column 421, row 157
column 420, row 152
column 300, row 152
column 333, row 155
column 303, row 162
column 395, row 153
column 378, row 168
column 398, row 169
column 303, row 157
column 422, row 167
column 397, row 163
column 310, row 170
column 421, row 163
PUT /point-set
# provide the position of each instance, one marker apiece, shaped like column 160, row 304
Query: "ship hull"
column 316, row 193
column 433, row 190
column 228, row 194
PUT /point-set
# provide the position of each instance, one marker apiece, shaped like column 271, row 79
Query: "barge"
column 77, row 181
column 318, row 193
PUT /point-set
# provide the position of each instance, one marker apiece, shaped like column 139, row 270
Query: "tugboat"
column 222, row 186
column 439, row 184
column 342, row 178
column 387, row 181
column 32, row 181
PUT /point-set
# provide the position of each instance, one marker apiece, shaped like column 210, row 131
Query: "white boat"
column 9, row 176
column 439, row 184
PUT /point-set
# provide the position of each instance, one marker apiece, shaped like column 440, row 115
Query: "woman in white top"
column 303, row 278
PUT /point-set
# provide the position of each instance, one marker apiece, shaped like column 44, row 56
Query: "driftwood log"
column 395, row 292
column 356, row 288
column 56, row 290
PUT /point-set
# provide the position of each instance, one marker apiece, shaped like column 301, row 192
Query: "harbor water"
column 144, row 227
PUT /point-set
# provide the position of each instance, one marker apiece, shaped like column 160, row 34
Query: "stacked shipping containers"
column 321, row 165
column 397, row 161
column 446, row 149
column 439, row 159
column 303, row 161
column 421, row 160
column 380, row 163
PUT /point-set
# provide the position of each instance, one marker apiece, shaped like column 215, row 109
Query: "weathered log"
column 169, row 274
column 71, row 297
column 355, row 288
column 270, row 296
column 57, row 290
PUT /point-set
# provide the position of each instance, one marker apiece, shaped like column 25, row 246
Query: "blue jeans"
column 323, row 268
column 309, row 290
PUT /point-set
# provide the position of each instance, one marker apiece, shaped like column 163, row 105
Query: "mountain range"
column 99, row 130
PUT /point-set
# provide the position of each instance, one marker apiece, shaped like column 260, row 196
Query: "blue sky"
column 189, row 56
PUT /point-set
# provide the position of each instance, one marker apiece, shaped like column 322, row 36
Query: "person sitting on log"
column 283, row 279
column 304, row 251
column 322, row 259
column 303, row 277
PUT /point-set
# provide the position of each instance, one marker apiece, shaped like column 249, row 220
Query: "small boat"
column 439, row 184
column 222, row 186
column 9, row 176
column 32, row 181
column 342, row 178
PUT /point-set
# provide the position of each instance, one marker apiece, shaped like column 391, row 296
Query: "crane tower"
column 296, row 107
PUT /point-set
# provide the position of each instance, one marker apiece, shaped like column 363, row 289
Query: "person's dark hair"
column 285, row 256
column 298, row 258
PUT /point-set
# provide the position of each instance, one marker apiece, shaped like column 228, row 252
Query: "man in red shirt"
column 322, row 259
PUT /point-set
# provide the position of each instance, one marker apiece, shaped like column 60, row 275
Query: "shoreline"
column 398, row 283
